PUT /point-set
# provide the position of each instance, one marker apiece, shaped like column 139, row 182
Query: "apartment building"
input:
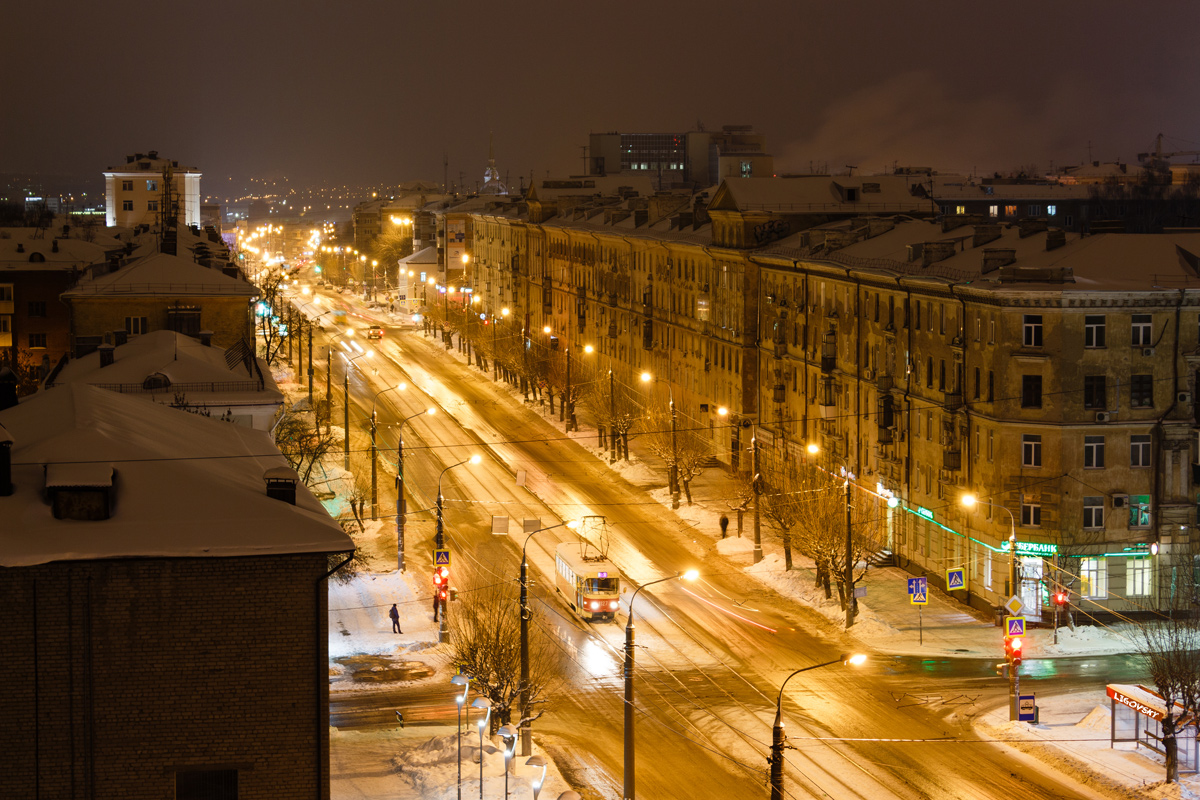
column 139, row 191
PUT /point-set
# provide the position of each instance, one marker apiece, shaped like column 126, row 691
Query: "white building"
column 137, row 192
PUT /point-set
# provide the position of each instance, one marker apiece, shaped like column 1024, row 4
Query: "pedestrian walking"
column 395, row 615
column 400, row 718
column 724, row 522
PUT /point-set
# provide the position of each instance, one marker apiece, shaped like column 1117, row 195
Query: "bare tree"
column 358, row 493
column 485, row 641
column 612, row 406
column 303, row 443
column 783, row 504
column 1171, row 646
column 687, row 449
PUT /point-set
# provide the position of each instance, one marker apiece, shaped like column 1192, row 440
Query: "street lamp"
column 346, row 402
column 460, row 700
column 495, row 361
column 690, row 575
column 401, row 502
column 329, row 356
column 509, row 734
column 673, row 478
column 970, row 501
column 540, row 761
column 482, row 702
column 777, row 737
column 440, row 539
column 525, row 730
column 374, row 449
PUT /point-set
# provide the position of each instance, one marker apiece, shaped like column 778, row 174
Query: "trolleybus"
column 590, row 582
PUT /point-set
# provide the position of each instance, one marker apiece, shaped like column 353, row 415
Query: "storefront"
column 1137, row 715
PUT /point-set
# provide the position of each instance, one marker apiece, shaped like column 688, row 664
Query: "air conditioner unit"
column 868, row 374
column 1183, row 397
column 1147, row 351
column 1102, row 416
column 1120, row 500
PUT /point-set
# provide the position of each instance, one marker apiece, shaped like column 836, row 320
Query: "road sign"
column 1014, row 605
column 1027, row 708
column 918, row 591
column 1015, row 626
column 441, row 558
column 955, row 579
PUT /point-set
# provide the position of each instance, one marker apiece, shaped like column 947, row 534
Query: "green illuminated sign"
column 1032, row 548
column 924, row 512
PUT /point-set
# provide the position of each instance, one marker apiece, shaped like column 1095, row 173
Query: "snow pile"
column 735, row 546
column 1098, row 719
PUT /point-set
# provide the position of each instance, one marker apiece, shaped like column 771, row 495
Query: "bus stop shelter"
column 1137, row 715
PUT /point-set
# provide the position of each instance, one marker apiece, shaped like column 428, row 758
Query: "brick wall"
column 117, row 674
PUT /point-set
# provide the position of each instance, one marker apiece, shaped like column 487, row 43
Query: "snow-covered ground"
column 420, row 762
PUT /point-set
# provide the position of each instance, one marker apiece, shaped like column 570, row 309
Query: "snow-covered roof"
column 185, row 486
column 203, row 373
column 140, row 163
column 160, row 274
column 40, row 249
column 590, row 185
column 426, row 255
column 820, row 194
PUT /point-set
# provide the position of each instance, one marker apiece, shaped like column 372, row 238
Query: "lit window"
column 1010, row 211
column 1137, row 577
column 960, row 210
column 1051, row 210
column 993, row 211
column 1093, row 577
column 1139, row 511
column 151, row 186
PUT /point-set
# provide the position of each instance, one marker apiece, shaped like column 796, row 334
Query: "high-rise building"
column 693, row 159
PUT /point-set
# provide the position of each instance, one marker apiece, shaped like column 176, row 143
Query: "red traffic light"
column 1016, row 645
column 1061, row 598
column 441, row 575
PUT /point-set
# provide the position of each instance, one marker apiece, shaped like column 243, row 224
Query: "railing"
column 216, row 386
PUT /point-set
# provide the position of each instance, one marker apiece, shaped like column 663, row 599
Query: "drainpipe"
column 321, row 677
column 1156, row 440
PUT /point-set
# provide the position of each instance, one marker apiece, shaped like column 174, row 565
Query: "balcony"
column 884, row 383
column 780, row 348
column 953, row 401
column 828, row 363
column 779, row 393
column 952, row 460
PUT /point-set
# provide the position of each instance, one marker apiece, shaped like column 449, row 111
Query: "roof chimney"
column 120, row 337
column 996, row 257
column 985, row 234
column 281, row 484
column 106, row 354
column 6, row 442
column 206, row 338
column 1055, row 238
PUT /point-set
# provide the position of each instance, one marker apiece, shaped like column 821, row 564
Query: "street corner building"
column 163, row 613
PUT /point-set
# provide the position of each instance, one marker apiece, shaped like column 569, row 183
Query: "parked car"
column 374, row 332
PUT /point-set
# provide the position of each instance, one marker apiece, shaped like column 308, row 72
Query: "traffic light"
column 1016, row 652
column 441, row 578
column 1062, row 599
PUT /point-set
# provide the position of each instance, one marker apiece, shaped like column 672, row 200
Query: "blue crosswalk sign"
column 955, row 578
column 441, row 558
column 1015, row 626
column 918, row 591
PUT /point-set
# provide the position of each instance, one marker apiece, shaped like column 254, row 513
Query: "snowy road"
column 711, row 657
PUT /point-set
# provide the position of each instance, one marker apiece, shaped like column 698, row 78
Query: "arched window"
column 37, row 258
column 156, row 381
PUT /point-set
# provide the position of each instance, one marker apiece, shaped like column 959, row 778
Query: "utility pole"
column 849, row 578
column 310, row 366
column 346, row 418
column 756, row 487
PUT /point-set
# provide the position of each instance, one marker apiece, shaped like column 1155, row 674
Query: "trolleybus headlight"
column 595, row 605
column 613, row 605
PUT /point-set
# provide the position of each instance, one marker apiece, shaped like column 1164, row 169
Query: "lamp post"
column 346, row 403
column 509, row 734
column 970, row 500
column 777, row 737
column 612, row 416
column 540, row 761
column 460, row 700
column 495, row 361
column 526, row 744
column 482, row 702
column 673, row 475
column 690, row 575
column 374, row 448
column 401, row 502
column 440, row 539
column 329, row 357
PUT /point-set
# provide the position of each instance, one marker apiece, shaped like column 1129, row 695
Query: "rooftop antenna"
column 851, row 167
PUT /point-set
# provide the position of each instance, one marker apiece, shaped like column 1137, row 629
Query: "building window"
column 209, row 784
column 1093, row 331
column 1141, row 391
column 991, row 386
column 991, row 331
column 126, row 186
column 1051, row 210
column 1093, row 513
column 929, row 372
column 152, row 205
column 37, row 308
column 1010, row 211
column 37, row 341
column 135, row 326
column 127, row 205
column 977, row 384
column 1141, row 330
column 1032, row 330
column 1139, row 450
column 929, row 426
column 989, row 448
column 942, row 376
column 151, row 186
column 1031, row 515
column 993, row 211
column 1094, row 391
column 1139, row 511
column 1137, row 577
column 1031, row 450
column 1031, row 391
column 1093, row 452
column 6, row 293
column 1093, row 577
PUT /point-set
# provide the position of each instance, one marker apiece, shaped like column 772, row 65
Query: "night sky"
column 373, row 92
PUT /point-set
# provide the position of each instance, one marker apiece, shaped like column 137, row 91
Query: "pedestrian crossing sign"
column 955, row 579
column 918, row 591
column 441, row 558
column 1015, row 626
